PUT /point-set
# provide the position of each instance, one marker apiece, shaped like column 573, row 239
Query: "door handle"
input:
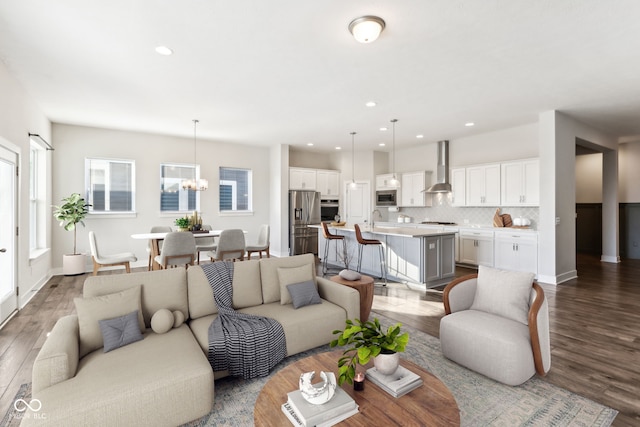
column 3, row 250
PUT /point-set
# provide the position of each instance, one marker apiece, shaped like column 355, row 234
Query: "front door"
column 8, row 240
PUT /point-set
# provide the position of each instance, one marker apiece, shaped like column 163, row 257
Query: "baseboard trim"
column 609, row 258
column 558, row 279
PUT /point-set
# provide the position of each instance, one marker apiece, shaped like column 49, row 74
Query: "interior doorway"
column 8, row 238
column 357, row 202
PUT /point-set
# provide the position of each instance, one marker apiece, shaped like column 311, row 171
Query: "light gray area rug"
column 482, row 402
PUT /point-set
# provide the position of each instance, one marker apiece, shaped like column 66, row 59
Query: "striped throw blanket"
column 246, row 345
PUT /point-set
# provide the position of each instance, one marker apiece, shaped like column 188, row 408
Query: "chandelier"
column 196, row 184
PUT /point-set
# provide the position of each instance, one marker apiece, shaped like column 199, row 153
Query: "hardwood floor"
column 594, row 320
column 594, row 323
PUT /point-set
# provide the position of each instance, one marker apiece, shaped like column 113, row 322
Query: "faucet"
column 373, row 215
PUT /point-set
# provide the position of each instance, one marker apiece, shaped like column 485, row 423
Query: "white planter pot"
column 73, row 265
column 387, row 364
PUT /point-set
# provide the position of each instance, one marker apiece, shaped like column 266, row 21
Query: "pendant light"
column 394, row 180
column 353, row 161
column 195, row 184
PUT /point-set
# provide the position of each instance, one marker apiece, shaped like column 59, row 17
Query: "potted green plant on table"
column 183, row 223
column 72, row 212
column 368, row 340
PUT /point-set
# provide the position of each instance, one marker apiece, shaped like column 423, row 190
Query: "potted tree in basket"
column 72, row 212
column 368, row 340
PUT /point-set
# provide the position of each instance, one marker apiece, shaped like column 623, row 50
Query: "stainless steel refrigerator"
column 304, row 210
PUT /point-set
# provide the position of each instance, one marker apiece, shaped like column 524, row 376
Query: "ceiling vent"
column 442, row 185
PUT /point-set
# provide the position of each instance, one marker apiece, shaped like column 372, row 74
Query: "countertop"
column 390, row 230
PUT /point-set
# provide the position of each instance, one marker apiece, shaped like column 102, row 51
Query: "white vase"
column 387, row 364
column 73, row 265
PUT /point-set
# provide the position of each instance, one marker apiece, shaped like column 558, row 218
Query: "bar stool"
column 329, row 237
column 362, row 242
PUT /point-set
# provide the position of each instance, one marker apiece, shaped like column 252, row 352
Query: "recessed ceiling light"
column 338, row 148
column 383, row 129
column 419, row 136
column 468, row 124
column 310, row 144
column 370, row 104
column 163, row 50
column 382, row 144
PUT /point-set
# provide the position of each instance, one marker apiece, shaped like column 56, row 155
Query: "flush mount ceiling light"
column 163, row 50
column 371, row 104
column 366, row 29
column 197, row 184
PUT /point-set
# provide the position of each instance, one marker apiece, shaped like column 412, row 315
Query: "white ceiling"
column 289, row 72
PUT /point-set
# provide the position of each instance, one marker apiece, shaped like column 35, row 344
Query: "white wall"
column 19, row 116
column 556, row 234
column 629, row 172
column 75, row 143
column 589, row 178
column 519, row 142
column 314, row 160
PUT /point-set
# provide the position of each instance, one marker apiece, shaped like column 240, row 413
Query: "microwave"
column 387, row 198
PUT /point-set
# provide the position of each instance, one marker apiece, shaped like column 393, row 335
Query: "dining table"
column 155, row 238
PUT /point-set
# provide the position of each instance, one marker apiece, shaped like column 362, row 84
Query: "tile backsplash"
column 442, row 211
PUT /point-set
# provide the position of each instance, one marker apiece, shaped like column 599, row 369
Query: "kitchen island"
column 421, row 258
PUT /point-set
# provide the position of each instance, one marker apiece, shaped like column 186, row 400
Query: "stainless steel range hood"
column 442, row 185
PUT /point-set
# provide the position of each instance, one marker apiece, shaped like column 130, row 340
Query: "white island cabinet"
column 420, row 257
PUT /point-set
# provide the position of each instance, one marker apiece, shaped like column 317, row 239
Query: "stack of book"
column 302, row 413
column 401, row 382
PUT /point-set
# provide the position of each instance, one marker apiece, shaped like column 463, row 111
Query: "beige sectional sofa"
column 166, row 379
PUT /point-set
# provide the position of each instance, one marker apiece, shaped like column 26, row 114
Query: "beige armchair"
column 497, row 323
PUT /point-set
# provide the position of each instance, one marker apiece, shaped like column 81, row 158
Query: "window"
column 110, row 185
column 235, row 190
column 37, row 197
column 173, row 198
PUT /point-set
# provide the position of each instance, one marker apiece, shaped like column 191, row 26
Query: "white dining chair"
column 156, row 229
column 231, row 246
column 205, row 244
column 263, row 243
column 179, row 248
column 99, row 260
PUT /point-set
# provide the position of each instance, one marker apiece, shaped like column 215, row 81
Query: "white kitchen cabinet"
column 328, row 183
column 458, row 187
column 413, row 185
column 476, row 247
column 385, row 182
column 302, row 179
column 516, row 251
column 520, row 183
column 483, row 185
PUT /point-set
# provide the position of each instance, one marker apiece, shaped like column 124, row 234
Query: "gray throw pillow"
column 120, row 331
column 304, row 293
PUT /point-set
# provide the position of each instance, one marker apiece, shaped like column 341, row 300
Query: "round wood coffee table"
column 431, row 404
column 365, row 286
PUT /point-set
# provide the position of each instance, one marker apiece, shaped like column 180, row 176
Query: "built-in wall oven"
column 329, row 208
